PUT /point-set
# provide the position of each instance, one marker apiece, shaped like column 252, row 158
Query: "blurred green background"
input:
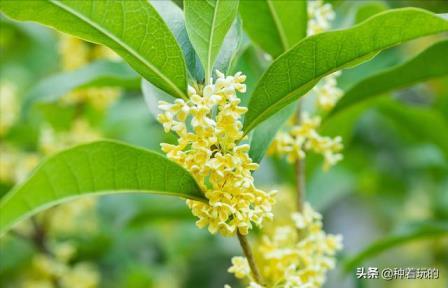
column 389, row 195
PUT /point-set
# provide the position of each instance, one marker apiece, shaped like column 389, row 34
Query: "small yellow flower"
column 320, row 14
column 327, row 91
column 297, row 255
column 304, row 137
column 51, row 141
column 240, row 267
column 209, row 131
column 76, row 53
column 8, row 106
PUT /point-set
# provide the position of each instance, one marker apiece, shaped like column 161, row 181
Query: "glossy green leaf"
column 263, row 135
column 295, row 72
column 229, row 49
column 103, row 167
column 173, row 15
column 431, row 63
column 100, row 73
column 133, row 29
column 406, row 234
column 368, row 9
column 275, row 25
column 207, row 24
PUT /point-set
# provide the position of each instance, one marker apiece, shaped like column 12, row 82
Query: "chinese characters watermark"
column 396, row 273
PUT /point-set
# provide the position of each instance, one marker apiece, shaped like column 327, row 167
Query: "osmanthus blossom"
column 304, row 137
column 292, row 256
column 209, row 132
column 76, row 53
column 9, row 107
column 320, row 15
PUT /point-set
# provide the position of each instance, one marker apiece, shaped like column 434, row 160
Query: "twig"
column 300, row 169
column 250, row 258
column 300, row 183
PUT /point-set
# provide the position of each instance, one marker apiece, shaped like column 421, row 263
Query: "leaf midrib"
column 278, row 25
column 121, row 43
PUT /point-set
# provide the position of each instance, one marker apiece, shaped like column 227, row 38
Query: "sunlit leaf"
column 299, row 69
column 274, row 25
column 367, row 9
column 133, row 29
column 98, row 168
column 174, row 18
column 207, row 24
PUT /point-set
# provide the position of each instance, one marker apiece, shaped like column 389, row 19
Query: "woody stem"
column 300, row 170
column 250, row 258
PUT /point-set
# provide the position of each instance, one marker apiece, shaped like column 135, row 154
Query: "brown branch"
column 300, row 183
column 300, row 169
column 250, row 258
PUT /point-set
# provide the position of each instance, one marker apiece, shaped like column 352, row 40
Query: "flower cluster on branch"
column 304, row 137
column 209, row 130
column 296, row 255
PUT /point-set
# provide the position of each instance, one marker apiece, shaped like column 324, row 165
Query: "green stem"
column 250, row 258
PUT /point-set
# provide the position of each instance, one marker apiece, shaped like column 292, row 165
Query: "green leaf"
column 274, row 25
column 133, row 29
column 100, row 73
column 207, row 24
column 263, row 135
column 431, row 63
column 295, row 72
column 368, row 9
column 174, row 18
column 406, row 234
column 230, row 48
column 103, row 167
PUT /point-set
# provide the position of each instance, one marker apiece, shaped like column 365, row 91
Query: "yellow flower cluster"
column 328, row 92
column 320, row 15
column 8, row 106
column 304, row 137
column 99, row 97
column 51, row 141
column 297, row 255
column 55, row 268
column 76, row 53
column 77, row 215
column 15, row 165
column 49, row 271
column 208, row 146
